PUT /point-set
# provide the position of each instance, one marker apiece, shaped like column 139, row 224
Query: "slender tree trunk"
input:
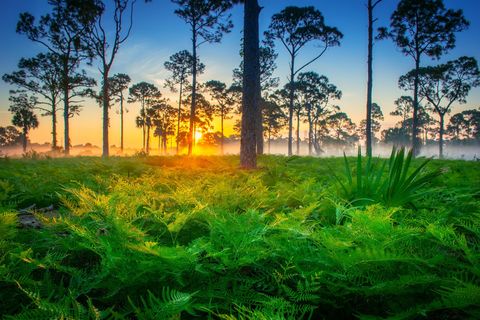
column 310, row 133
column 191, row 133
column 194, row 134
column 442, row 125
column 298, row 132
column 269, row 139
column 290, row 106
column 368, row 132
column 66, row 119
column 179, row 114
column 143, row 123
column 259, row 132
column 259, row 122
column 121, row 122
column 415, row 140
column 250, row 100
column 148, row 140
column 24, row 140
column 106, row 105
column 54, row 124
column 160, row 143
column 66, row 108
column 222, row 139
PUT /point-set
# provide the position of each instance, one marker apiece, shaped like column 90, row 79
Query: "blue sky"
column 159, row 33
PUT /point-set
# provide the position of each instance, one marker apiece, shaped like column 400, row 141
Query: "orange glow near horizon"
column 198, row 135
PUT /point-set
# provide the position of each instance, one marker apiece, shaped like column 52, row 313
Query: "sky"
column 158, row 33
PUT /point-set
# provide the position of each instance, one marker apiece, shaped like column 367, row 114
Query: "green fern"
column 171, row 304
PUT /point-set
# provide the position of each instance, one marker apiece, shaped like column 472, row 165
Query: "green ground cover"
column 181, row 238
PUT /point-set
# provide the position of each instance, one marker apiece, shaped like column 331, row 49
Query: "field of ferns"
column 198, row 238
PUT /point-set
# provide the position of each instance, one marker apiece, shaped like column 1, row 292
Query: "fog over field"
column 451, row 151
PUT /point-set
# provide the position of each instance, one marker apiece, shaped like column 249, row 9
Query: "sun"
column 198, row 135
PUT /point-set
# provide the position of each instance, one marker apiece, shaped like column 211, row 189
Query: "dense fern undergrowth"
column 197, row 238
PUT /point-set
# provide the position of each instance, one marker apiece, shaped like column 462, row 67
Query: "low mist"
column 451, row 151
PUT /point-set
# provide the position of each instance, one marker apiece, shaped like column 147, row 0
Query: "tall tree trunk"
column 121, row 122
column 54, row 124
column 222, row 138
column 24, row 140
column 159, row 144
column 442, row 125
column 66, row 108
column 298, row 132
column 66, row 119
column 290, row 105
column 191, row 133
column 415, row 140
column 259, row 121
column 368, row 132
column 106, row 105
column 269, row 138
column 179, row 114
column 194, row 135
column 147, row 150
column 259, row 130
column 251, row 76
column 143, row 123
column 310, row 132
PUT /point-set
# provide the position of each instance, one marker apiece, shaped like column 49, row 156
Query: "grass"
column 197, row 238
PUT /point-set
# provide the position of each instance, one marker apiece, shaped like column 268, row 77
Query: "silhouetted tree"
column 376, row 116
column 105, row 46
column 281, row 97
column 274, row 119
column 465, row 125
column 224, row 103
column 455, row 126
column 181, row 66
column 307, row 92
column 145, row 120
column 299, row 109
column 398, row 135
column 144, row 93
column 22, row 107
column 204, row 113
column 401, row 134
column 164, row 121
column 10, row 136
column 117, row 85
column 207, row 22
column 317, row 94
column 444, row 85
column 371, row 4
column 41, row 75
column 423, row 27
column 211, row 139
column 295, row 27
column 63, row 32
column 403, row 107
column 338, row 129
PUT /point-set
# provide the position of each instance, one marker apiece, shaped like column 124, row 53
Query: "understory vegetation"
column 197, row 238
